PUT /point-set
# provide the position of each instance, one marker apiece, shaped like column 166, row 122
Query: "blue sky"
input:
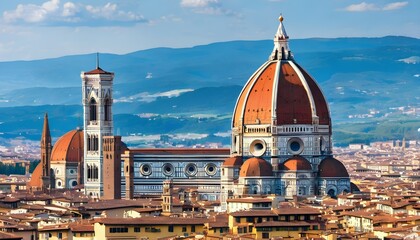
column 37, row 29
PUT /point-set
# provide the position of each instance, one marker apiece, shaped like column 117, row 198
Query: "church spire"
column 281, row 49
column 46, row 136
column 46, row 148
column 97, row 60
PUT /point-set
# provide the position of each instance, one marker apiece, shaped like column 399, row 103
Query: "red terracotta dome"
column 296, row 163
column 281, row 92
column 256, row 167
column 233, row 161
column 331, row 167
column 36, row 177
column 68, row 147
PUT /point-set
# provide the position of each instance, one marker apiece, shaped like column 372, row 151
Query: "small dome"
column 234, row 161
column 256, row 167
column 36, row 177
column 331, row 167
column 68, row 147
column 354, row 188
column 296, row 163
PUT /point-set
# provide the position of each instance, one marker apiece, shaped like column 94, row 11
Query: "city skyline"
column 38, row 29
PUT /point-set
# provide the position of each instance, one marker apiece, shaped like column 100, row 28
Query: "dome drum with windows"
column 281, row 131
column 278, row 104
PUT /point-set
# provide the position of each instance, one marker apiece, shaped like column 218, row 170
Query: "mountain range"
column 164, row 90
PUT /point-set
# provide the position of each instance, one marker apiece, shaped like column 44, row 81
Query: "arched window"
column 96, row 173
column 331, row 193
column 89, row 172
column 268, row 190
column 92, row 143
column 95, row 143
column 93, row 110
column 255, row 190
column 107, row 109
column 89, row 143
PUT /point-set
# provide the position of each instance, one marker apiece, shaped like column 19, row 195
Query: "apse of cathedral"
column 281, row 143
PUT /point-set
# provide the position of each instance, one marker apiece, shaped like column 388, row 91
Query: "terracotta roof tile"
column 331, row 167
column 233, row 161
column 254, row 213
column 296, row 163
column 256, row 167
column 152, row 220
column 68, row 147
column 98, row 71
column 284, row 224
column 36, row 177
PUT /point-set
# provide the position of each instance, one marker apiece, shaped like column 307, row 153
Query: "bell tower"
column 167, row 202
column 46, row 148
column 97, row 111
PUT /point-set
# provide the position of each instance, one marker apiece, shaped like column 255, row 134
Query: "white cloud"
column 209, row 7
column 361, row 7
column 30, row 13
column 51, row 6
column 198, row 3
column 69, row 9
column 147, row 97
column 53, row 13
column 364, row 7
column 394, row 6
column 410, row 60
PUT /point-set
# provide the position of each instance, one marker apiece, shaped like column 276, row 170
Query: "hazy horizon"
column 40, row 29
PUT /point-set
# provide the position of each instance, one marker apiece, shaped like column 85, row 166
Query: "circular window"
column 257, row 148
column 191, row 169
column 59, row 183
column 73, row 183
column 211, row 169
column 71, row 171
column 145, row 169
column 295, row 146
column 167, row 169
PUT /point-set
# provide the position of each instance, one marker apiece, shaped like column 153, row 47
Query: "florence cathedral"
column 281, row 144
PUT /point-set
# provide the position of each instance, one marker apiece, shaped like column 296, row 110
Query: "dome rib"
column 306, row 86
column 257, row 108
column 322, row 109
column 292, row 103
column 240, row 105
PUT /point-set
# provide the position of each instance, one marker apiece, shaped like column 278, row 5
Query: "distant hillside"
column 364, row 79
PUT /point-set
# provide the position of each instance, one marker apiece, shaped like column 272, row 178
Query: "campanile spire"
column 46, row 148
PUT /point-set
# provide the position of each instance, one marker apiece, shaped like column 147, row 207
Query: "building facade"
column 147, row 169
